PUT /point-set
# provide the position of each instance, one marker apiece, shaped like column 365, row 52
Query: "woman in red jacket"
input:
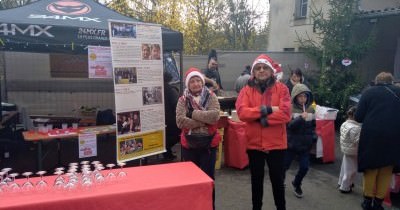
column 264, row 104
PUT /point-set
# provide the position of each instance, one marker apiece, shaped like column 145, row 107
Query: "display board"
column 136, row 51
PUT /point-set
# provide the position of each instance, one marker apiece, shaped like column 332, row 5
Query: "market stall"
column 65, row 27
column 52, row 27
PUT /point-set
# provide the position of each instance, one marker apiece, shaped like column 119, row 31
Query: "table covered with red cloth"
column 235, row 143
column 326, row 130
column 167, row 186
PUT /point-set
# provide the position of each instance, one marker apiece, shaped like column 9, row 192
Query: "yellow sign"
column 132, row 147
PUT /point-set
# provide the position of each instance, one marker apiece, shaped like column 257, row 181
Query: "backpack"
column 105, row 117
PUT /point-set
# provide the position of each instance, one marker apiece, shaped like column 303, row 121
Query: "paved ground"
column 233, row 191
column 232, row 185
column 319, row 186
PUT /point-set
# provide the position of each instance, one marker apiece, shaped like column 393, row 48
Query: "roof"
column 378, row 13
column 51, row 25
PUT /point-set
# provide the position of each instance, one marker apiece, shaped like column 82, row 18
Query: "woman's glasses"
column 258, row 68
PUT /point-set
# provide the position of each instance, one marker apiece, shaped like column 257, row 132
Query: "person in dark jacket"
column 296, row 77
column 379, row 145
column 211, row 73
column 171, row 96
column 301, row 134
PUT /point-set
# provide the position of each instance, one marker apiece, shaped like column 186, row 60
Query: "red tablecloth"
column 395, row 188
column 168, row 186
column 235, row 145
column 326, row 130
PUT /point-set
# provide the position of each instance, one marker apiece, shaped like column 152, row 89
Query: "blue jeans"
column 304, row 163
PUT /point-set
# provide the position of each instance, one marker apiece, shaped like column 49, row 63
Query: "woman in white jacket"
column 349, row 137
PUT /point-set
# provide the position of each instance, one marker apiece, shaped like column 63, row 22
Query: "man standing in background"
column 212, row 77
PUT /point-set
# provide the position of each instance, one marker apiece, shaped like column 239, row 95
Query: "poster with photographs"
column 99, row 62
column 136, row 52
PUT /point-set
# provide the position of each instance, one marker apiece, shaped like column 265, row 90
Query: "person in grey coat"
column 242, row 80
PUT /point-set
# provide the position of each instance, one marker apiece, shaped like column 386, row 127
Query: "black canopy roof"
column 65, row 26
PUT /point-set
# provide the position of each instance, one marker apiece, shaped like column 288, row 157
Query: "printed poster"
column 99, row 62
column 87, row 145
column 136, row 52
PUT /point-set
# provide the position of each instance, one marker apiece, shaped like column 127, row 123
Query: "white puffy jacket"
column 349, row 137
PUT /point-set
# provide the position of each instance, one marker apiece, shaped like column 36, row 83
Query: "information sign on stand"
column 136, row 51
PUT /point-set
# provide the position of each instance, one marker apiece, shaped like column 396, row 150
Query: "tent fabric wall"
column 397, row 61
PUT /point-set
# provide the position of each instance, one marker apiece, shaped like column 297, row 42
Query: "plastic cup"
column 41, row 128
column 74, row 125
column 64, row 125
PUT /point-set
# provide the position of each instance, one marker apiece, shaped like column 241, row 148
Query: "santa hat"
column 193, row 72
column 265, row 59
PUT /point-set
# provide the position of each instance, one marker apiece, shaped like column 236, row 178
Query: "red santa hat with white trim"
column 265, row 59
column 193, row 72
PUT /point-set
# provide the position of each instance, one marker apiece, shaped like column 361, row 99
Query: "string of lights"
column 23, row 44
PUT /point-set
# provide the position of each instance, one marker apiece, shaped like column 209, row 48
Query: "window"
column 288, row 49
column 301, row 9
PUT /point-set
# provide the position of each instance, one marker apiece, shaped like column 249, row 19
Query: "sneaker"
column 346, row 191
column 367, row 204
column 298, row 192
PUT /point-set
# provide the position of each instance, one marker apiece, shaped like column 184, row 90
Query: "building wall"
column 284, row 24
column 231, row 64
column 30, row 86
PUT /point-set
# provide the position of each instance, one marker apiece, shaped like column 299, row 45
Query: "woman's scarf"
column 205, row 96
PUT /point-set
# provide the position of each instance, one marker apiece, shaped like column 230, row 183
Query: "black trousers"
column 275, row 161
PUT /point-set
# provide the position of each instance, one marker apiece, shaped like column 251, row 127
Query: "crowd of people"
column 128, row 122
column 280, row 126
column 131, row 146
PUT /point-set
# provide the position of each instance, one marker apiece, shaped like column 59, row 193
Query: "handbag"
column 199, row 141
column 394, row 94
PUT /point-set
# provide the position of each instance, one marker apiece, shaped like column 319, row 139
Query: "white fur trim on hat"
column 264, row 61
column 193, row 74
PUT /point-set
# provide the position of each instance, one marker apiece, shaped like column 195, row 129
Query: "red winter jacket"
column 272, row 137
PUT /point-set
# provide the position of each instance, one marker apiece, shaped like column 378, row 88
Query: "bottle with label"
column 314, row 105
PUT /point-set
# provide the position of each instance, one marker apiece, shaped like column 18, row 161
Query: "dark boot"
column 377, row 205
column 367, row 203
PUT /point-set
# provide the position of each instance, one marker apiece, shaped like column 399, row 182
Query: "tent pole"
column 3, row 83
column 181, row 72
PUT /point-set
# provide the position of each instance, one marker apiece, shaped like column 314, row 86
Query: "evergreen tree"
column 335, row 42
